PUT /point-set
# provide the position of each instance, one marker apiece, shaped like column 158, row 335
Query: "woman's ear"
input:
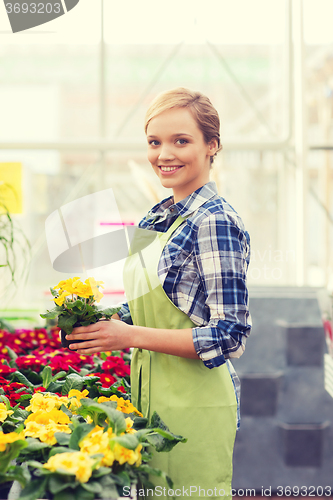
column 213, row 146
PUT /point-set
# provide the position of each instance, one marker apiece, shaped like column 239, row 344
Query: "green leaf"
column 34, row 445
column 88, row 379
column 88, row 322
column 93, row 486
column 22, row 379
column 101, row 471
column 73, row 381
column 64, row 495
column 116, row 418
column 55, row 450
column 59, row 375
column 25, row 397
column 10, row 454
column 78, row 434
column 66, row 410
column 82, row 494
column 128, row 441
column 162, row 439
column 13, row 356
column 4, row 325
column 32, row 376
column 66, row 322
column 5, row 400
column 109, row 311
column 54, row 292
column 50, row 314
column 16, row 473
column 72, row 370
column 56, row 386
column 46, row 375
column 78, row 304
column 108, row 485
column 62, row 438
column 155, row 472
column 21, row 414
column 140, row 423
column 57, row 483
column 34, row 490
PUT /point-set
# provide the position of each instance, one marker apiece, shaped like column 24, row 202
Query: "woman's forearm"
column 175, row 342
column 115, row 335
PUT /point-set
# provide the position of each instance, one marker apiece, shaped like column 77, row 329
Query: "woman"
column 187, row 309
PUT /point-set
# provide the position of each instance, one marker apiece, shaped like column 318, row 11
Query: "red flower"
column 30, row 361
column 107, row 380
column 116, row 365
column 121, row 388
column 58, row 363
column 39, row 389
column 5, row 370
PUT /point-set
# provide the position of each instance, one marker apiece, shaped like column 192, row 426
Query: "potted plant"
column 75, row 305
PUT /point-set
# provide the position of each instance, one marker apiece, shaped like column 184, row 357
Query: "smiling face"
column 178, row 152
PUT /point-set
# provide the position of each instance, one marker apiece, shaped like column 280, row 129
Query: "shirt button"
column 172, row 209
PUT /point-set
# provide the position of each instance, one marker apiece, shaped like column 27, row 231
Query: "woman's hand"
column 102, row 336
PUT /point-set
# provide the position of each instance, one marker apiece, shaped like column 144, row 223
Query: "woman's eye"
column 181, row 141
column 153, row 143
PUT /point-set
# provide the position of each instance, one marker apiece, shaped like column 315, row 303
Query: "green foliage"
column 46, row 375
column 78, row 434
column 163, row 440
column 12, row 451
column 5, row 325
column 73, row 381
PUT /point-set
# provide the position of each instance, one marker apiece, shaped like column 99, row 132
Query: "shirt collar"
column 167, row 208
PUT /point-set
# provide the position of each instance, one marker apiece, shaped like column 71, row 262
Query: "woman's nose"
column 166, row 153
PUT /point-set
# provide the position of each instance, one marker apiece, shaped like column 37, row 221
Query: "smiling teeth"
column 168, row 169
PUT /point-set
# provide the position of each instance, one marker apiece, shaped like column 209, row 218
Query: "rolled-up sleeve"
column 222, row 252
column 124, row 313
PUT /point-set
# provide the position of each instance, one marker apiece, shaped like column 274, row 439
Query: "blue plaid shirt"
column 203, row 270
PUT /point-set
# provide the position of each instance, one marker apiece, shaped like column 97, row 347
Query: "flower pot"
column 66, row 343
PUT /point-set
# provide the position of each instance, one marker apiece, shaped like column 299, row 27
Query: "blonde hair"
column 203, row 111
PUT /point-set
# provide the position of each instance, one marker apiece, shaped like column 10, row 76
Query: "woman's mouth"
column 168, row 170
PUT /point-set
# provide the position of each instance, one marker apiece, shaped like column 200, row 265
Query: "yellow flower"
column 123, row 454
column 32, row 429
column 61, row 299
column 123, row 405
column 60, row 284
column 102, row 399
column 93, row 283
column 43, row 417
column 4, row 413
column 78, row 463
column 40, row 402
column 9, row 438
column 45, row 432
column 129, row 426
column 78, row 394
column 97, row 441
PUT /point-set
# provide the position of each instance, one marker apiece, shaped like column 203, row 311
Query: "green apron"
column 193, row 400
